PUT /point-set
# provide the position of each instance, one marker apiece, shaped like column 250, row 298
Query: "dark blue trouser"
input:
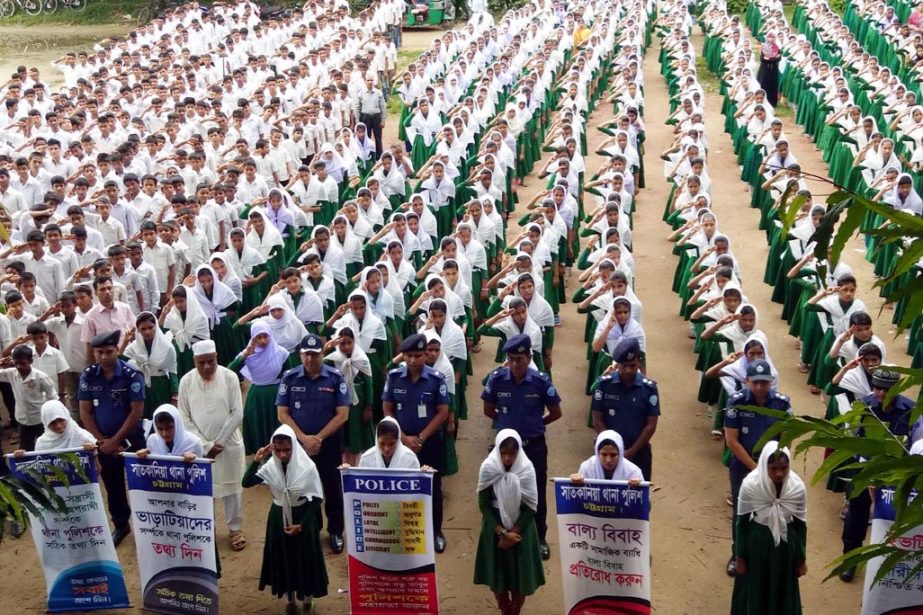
column 738, row 472
column 857, row 520
column 536, row 449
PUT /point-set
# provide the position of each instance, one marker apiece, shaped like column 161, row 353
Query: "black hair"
column 861, row 319
column 509, row 443
column 36, row 328
column 388, row 428
column 164, row 418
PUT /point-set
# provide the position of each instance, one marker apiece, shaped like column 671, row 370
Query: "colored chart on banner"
column 604, row 536
column 173, row 519
column 389, row 539
column 82, row 570
column 898, row 591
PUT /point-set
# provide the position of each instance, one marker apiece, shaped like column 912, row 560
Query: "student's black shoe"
column 336, row 543
column 732, row 567
column 546, row 551
column 119, row 534
column 848, row 575
column 440, row 543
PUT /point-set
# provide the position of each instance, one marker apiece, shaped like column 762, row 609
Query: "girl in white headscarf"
column 62, row 431
column 609, row 462
column 184, row 319
column 389, row 451
column 508, row 556
column 770, row 546
column 293, row 561
column 151, row 351
column 168, row 436
column 216, row 300
column 356, row 368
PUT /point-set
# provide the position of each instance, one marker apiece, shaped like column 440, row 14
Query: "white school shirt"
column 68, row 336
column 51, row 363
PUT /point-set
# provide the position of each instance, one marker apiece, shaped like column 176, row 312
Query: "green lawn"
column 97, row 12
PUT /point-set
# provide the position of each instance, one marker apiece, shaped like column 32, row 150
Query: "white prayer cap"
column 204, row 347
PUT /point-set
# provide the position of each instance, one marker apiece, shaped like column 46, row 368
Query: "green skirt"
column 294, row 563
column 360, row 436
column 517, row 570
column 160, row 392
column 260, row 419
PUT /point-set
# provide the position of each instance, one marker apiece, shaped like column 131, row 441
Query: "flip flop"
column 237, row 540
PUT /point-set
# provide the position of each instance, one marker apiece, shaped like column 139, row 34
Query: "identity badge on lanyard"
column 421, row 410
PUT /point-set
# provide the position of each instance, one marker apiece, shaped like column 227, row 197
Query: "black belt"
column 533, row 440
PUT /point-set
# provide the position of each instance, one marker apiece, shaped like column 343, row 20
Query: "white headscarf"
column 295, row 483
column 758, row 496
column 193, row 328
column 288, row 331
column 512, row 487
column 162, row 356
column 221, row 298
column 625, row 470
column 270, row 238
column 73, row 436
column 183, row 441
column 402, row 458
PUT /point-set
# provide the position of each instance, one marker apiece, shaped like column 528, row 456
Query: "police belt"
column 533, row 440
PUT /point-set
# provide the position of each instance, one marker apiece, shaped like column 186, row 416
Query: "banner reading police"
column 897, row 591
column 389, row 538
column 604, row 535
column 173, row 518
column 82, row 570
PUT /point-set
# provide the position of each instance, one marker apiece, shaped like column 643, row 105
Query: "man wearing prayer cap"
column 111, row 398
column 516, row 396
column 416, row 395
column 210, row 403
column 743, row 428
column 896, row 417
column 313, row 400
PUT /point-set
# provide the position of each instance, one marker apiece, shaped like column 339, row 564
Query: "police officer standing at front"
column 627, row 402
column 111, row 398
column 516, row 397
column 313, row 401
column 416, row 395
column 744, row 428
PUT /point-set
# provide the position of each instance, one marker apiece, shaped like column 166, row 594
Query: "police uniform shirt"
column 415, row 402
column 752, row 425
column 312, row 402
column 521, row 406
column 897, row 418
column 111, row 399
column 625, row 408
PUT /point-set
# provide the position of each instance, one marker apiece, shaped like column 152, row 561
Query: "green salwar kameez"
column 770, row 586
column 518, row 569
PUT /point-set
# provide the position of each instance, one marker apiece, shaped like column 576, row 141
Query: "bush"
column 737, row 7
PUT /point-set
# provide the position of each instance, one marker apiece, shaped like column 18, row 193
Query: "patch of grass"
column 96, row 12
column 789, row 11
column 785, row 110
column 710, row 82
column 405, row 57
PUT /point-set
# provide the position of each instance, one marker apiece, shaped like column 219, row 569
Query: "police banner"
column 82, row 571
column 173, row 520
column 604, row 539
column 389, row 539
column 897, row 591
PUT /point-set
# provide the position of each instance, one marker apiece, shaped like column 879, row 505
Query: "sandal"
column 237, row 540
column 804, row 368
column 716, row 435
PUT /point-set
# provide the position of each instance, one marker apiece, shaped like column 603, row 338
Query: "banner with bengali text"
column 389, row 541
column 897, row 591
column 604, row 536
column 173, row 519
column 82, row 570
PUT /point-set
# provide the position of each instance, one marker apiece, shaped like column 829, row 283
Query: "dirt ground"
column 690, row 520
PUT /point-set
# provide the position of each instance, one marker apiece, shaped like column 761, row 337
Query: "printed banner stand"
column 389, row 540
column 173, row 520
column 897, row 591
column 82, row 570
column 604, row 539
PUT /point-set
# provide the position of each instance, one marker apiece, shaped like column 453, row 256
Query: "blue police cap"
column 518, row 344
column 107, row 338
column 627, row 349
column 413, row 343
column 759, row 370
column 312, row 343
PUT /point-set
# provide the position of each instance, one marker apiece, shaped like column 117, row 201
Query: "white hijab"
column 162, row 356
column 271, row 236
column 288, row 330
column 73, row 436
column 758, row 496
column 402, row 459
column 183, row 441
column 294, row 484
column 222, row 297
column 625, row 470
column 512, row 487
column 351, row 366
column 194, row 328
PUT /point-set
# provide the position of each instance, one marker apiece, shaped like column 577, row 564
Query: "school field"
column 690, row 519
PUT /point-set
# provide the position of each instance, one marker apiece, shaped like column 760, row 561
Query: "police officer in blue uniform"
column 627, row 402
column 516, row 397
column 313, row 401
column 111, row 398
column 417, row 397
column 896, row 417
column 744, row 428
